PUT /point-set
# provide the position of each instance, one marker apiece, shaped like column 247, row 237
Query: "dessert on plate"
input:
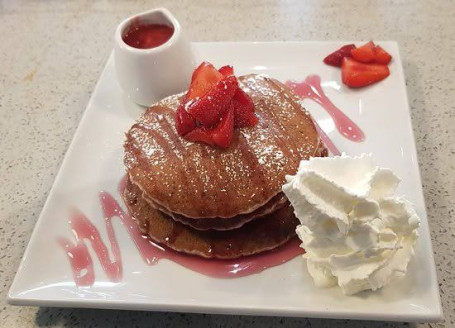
column 205, row 168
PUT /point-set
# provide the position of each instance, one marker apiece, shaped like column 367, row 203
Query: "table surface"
column 52, row 54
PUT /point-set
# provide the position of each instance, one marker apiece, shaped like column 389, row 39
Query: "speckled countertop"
column 52, row 53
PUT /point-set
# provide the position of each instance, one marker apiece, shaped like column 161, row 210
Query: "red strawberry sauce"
column 311, row 89
column 86, row 233
column 147, row 36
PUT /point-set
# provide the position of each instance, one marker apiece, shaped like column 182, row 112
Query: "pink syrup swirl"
column 327, row 141
column 85, row 232
column 311, row 89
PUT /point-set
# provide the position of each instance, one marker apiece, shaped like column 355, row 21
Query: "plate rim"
column 14, row 298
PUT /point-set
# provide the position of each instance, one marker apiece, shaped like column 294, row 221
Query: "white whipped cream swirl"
column 355, row 233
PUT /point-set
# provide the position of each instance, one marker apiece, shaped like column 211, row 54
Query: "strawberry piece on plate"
column 356, row 75
column 184, row 122
column 226, row 70
column 336, row 57
column 364, row 54
column 381, row 56
column 220, row 135
column 202, row 80
column 208, row 109
column 243, row 109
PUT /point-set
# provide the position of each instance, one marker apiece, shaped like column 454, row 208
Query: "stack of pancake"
column 215, row 203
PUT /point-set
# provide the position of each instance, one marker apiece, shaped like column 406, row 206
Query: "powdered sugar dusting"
column 197, row 180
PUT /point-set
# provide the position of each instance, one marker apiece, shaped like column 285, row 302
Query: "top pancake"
column 200, row 181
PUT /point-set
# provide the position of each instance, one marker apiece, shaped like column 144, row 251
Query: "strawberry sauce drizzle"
column 311, row 89
column 327, row 141
column 82, row 264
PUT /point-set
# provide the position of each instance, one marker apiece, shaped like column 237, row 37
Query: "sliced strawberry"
column 202, row 80
column 226, row 70
column 200, row 134
column 208, row 109
column 336, row 57
column 223, row 132
column 220, row 135
column 212, row 106
column 364, row 54
column 356, row 75
column 243, row 109
column 381, row 56
column 184, row 122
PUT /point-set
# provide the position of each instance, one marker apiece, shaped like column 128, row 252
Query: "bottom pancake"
column 254, row 237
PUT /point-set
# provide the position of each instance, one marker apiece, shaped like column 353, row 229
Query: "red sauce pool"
column 147, row 36
column 86, row 233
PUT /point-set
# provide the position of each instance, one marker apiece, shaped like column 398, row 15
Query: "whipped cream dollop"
column 355, row 232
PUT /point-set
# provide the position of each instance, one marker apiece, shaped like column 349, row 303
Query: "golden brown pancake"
column 257, row 236
column 199, row 181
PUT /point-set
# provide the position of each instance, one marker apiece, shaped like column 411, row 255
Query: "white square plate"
column 94, row 163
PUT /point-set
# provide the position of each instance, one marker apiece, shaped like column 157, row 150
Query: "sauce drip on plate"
column 311, row 89
column 85, row 232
